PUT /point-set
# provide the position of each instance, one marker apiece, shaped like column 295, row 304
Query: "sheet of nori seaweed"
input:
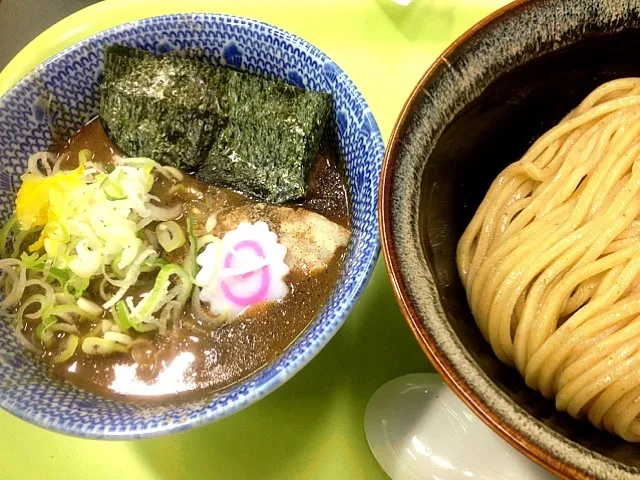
column 254, row 134
column 271, row 137
column 163, row 107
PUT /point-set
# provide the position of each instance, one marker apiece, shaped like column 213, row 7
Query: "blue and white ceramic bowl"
column 60, row 95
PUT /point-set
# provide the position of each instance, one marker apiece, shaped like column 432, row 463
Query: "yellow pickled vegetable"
column 44, row 199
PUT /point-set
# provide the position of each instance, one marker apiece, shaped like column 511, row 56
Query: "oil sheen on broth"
column 193, row 358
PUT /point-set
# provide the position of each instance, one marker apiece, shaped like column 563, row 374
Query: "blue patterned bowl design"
column 62, row 94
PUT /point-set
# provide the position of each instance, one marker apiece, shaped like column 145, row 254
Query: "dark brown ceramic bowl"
column 477, row 109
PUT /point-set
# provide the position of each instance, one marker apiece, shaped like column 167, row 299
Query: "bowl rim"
column 441, row 363
column 370, row 247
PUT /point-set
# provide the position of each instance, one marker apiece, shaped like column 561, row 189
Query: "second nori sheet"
column 272, row 134
column 253, row 134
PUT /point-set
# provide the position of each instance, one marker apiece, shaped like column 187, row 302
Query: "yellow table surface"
column 312, row 427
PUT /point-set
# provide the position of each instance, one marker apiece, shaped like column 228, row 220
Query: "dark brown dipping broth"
column 194, row 359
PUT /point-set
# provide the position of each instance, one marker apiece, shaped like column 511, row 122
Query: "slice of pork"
column 310, row 238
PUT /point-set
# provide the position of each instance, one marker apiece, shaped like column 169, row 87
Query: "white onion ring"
column 164, row 214
column 19, row 281
column 199, row 312
column 46, row 159
column 25, row 342
column 212, row 221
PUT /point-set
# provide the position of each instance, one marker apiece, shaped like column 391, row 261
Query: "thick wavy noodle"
column 551, row 261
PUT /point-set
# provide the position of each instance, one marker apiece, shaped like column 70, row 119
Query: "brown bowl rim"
column 442, row 365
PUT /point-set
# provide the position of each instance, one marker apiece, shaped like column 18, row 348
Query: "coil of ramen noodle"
column 551, row 261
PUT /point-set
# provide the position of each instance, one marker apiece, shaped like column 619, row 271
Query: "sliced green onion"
column 206, row 240
column 89, row 307
column 151, row 266
column 146, row 327
column 129, row 253
column 63, row 327
column 57, row 232
column 122, row 316
column 151, row 238
column 64, row 298
column 60, row 275
column 88, row 261
column 46, row 158
column 164, row 214
column 76, row 286
column 119, row 272
column 149, row 178
column 172, row 171
column 148, row 165
column 68, row 347
column 106, row 325
column 24, row 341
column 121, row 338
column 51, row 247
column 33, row 261
column 100, row 346
column 170, row 235
column 171, row 310
column 130, row 278
column 26, row 303
column 212, row 221
column 160, row 262
column 56, row 166
column 49, row 293
column 4, row 233
column 159, row 295
column 15, row 281
column 97, row 232
column 203, row 316
column 62, row 310
column 61, row 262
column 175, row 189
column 95, row 331
column 17, row 241
column 84, row 156
column 42, row 330
column 113, row 188
column 190, row 261
column 37, row 263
